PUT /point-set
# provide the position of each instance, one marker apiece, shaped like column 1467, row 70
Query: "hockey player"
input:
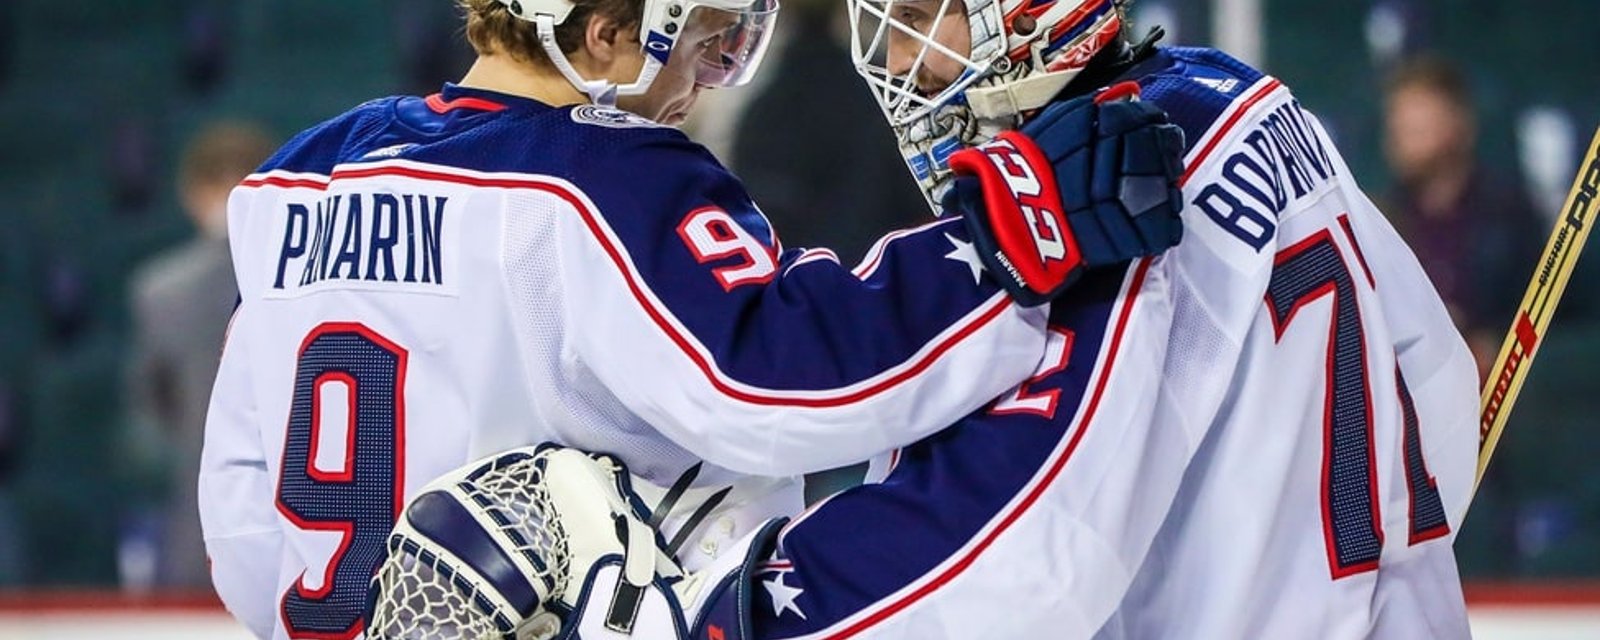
column 530, row 255
column 1267, row 432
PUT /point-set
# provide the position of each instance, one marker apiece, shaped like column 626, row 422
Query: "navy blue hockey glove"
column 1088, row 182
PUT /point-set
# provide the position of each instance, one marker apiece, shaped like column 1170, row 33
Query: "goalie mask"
column 743, row 29
column 940, row 96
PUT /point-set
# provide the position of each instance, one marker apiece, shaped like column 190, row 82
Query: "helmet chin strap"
column 1008, row 101
column 601, row 92
column 1009, row 98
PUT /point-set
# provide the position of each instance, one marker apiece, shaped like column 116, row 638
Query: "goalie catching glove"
column 506, row 546
column 548, row 542
column 1088, row 182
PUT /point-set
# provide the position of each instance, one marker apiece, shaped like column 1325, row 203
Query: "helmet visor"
column 727, row 44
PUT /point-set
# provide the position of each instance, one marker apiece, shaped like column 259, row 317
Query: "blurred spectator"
column 429, row 39
column 11, row 537
column 66, row 299
column 8, row 40
column 205, row 51
column 19, row 338
column 1472, row 227
column 813, row 148
column 181, row 301
column 132, row 169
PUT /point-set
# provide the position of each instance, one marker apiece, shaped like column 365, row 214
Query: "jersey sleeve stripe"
column 439, row 105
column 286, row 180
column 815, row 398
column 696, row 352
column 957, row 564
column 1361, row 257
column 813, row 255
column 859, row 391
column 869, row 264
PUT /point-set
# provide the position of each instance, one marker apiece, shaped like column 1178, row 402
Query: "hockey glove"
column 501, row 546
column 1088, row 182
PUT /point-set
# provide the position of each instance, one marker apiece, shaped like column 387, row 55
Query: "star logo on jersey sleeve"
column 963, row 252
column 783, row 596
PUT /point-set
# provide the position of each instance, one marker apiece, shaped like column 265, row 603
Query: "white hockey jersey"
column 1267, row 432
column 1333, row 463
column 426, row 281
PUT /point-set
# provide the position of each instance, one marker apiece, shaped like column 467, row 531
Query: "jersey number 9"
column 349, row 382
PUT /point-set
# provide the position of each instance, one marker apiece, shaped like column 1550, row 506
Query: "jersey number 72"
column 1305, row 272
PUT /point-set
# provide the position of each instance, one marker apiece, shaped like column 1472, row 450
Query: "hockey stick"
column 1538, row 304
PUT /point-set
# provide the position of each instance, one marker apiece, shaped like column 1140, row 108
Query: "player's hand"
column 1088, row 182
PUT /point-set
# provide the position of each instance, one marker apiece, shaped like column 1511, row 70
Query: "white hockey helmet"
column 746, row 30
column 1023, row 53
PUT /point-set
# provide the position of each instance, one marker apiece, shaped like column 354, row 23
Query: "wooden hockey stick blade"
column 1538, row 305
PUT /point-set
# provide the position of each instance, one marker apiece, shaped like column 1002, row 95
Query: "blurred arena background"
column 116, row 117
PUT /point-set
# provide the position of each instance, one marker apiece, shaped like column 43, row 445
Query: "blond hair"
column 492, row 29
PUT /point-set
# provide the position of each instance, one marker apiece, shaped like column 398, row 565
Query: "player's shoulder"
column 591, row 115
column 485, row 131
column 630, row 164
column 629, row 147
column 1198, row 87
column 626, row 164
column 319, row 149
column 582, row 144
column 647, row 177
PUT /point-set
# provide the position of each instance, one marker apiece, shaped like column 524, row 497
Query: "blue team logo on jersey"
column 609, row 117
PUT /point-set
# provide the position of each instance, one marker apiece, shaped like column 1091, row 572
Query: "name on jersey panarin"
column 1279, row 161
column 363, row 237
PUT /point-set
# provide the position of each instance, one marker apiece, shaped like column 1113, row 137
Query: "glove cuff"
column 1021, row 231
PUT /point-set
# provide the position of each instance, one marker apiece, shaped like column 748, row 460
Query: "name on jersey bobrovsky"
column 363, row 237
column 1279, row 161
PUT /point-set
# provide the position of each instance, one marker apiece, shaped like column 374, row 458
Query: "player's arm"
column 243, row 541
column 800, row 363
column 680, row 303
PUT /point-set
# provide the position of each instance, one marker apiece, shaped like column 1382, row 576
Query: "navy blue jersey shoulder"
column 1194, row 86
column 628, row 166
column 320, row 148
column 640, row 175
